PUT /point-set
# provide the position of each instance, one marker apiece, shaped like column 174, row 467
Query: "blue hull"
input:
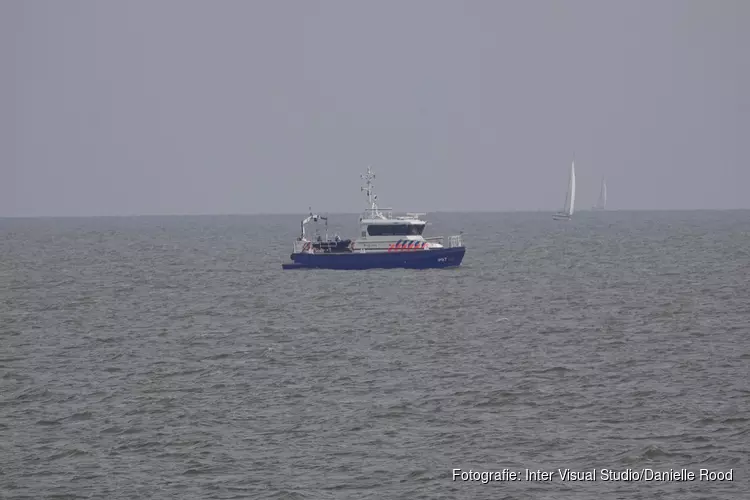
column 421, row 259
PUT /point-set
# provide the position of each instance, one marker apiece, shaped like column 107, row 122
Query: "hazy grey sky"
column 241, row 106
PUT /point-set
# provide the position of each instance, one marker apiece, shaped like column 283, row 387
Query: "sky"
column 233, row 106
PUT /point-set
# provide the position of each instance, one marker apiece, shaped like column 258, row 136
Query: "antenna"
column 368, row 188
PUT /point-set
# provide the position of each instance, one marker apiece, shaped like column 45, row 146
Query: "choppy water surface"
column 173, row 358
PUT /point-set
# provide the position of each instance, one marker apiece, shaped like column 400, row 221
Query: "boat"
column 570, row 196
column 601, row 203
column 385, row 242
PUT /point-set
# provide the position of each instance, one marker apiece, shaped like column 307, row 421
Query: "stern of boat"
column 455, row 241
column 302, row 245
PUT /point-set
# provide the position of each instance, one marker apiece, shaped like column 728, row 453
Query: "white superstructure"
column 379, row 230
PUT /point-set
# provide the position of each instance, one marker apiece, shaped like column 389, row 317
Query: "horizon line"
column 256, row 214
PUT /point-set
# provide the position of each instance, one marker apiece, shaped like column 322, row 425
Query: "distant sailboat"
column 601, row 203
column 570, row 196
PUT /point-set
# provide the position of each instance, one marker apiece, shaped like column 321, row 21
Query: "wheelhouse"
column 394, row 228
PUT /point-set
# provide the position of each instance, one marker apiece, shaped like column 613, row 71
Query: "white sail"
column 570, row 196
column 601, row 204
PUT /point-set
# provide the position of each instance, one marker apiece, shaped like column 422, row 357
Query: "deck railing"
column 371, row 213
column 455, row 241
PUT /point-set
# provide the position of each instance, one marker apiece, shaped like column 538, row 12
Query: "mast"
column 369, row 190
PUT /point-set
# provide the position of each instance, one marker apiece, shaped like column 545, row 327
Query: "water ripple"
column 172, row 358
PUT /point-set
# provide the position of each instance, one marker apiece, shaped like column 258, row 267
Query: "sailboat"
column 601, row 203
column 570, row 196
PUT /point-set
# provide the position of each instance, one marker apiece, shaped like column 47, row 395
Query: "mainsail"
column 601, row 203
column 570, row 195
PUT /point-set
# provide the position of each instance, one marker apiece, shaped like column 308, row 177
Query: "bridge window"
column 395, row 229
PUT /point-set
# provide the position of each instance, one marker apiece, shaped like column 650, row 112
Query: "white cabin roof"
column 397, row 221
